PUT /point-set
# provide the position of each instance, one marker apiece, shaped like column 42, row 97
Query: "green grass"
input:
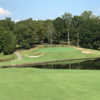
column 51, row 54
column 7, row 57
column 40, row 84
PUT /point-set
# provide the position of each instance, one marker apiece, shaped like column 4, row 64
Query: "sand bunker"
column 85, row 51
column 36, row 56
column 33, row 56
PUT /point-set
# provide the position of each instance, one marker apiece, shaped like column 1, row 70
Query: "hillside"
column 42, row 54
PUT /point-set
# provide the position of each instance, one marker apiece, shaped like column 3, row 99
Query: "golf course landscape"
column 49, row 50
column 49, row 54
column 48, row 84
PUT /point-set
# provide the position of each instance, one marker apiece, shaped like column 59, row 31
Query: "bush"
column 8, row 42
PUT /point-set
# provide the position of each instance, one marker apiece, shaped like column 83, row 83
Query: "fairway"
column 40, row 84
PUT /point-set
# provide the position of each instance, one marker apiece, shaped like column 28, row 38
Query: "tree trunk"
column 70, row 66
column 51, row 37
column 68, row 39
column 78, row 40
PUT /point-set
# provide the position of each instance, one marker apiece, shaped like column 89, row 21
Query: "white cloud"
column 17, row 20
column 4, row 12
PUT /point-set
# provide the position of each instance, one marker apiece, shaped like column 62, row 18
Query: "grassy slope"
column 36, row 84
column 51, row 54
column 5, row 57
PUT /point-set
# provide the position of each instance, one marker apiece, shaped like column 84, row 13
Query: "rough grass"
column 51, row 54
column 36, row 84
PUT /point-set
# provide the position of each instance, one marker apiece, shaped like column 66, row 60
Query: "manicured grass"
column 7, row 57
column 51, row 54
column 40, row 84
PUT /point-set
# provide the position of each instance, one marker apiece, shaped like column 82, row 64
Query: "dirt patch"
column 35, row 48
column 18, row 55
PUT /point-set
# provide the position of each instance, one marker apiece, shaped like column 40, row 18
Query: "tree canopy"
column 82, row 30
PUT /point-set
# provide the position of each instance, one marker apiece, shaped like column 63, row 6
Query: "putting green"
column 44, row 54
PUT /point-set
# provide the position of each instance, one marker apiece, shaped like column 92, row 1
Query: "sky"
column 45, row 9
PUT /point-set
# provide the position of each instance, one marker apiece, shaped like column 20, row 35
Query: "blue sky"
column 45, row 9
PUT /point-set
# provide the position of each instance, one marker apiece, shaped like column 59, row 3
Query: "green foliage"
column 59, row 30
column 50, row 31
column 7, row 37
column 83, row 31
column 26, row 33
column 8, row 42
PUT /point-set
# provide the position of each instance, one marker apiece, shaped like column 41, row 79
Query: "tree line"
column 82, row 31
